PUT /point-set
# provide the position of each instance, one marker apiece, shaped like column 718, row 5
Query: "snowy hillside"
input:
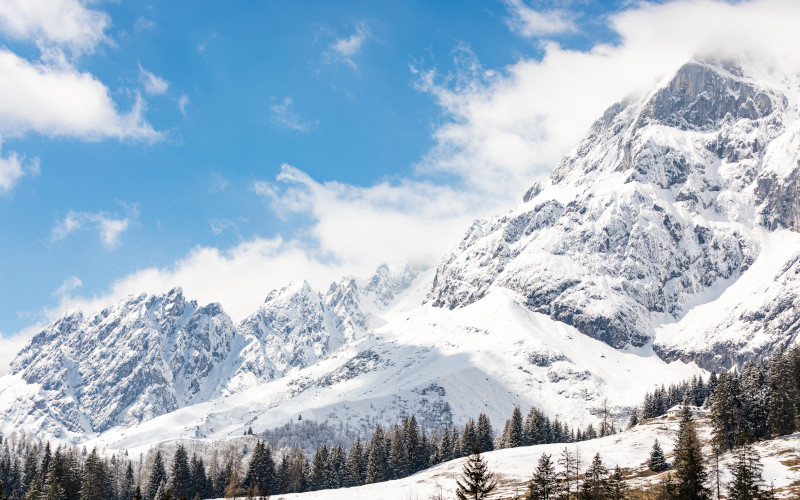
column 514, row 467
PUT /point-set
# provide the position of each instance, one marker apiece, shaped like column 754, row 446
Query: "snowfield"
column 629, row 449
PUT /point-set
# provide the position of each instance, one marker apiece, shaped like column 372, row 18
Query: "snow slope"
column 514, row 467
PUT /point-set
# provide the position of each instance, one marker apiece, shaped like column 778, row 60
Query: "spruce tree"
column 181, row 474
column 199, row 481
column 512, row 432
column 747, row 482
column 485, row 433
column 617, row 488
column 544, row 484
column 376, row 462
column 657, row 462
column 476, row 480
column 158, row 476
column 782, row 417
column 726, row 412
column 595, row 481
column 446, row 448
column 690, row 474
column 94, row 480
column 469, row 438
column 261, row 470
column 319, row 469
column 398, row 456
column 356, row 473
column 126, row 489
column 633, row 421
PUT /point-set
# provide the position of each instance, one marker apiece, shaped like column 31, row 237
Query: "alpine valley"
column 666, row 243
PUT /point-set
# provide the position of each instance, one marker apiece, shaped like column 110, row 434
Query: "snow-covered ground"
column 514, row 467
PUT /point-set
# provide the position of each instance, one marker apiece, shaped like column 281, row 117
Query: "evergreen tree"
column 337, row 467
column 261, row 470
column 617, row 488
column 469, row 438
column 127, row 488
column 595, row 481
column 94, row 481
column 199, row 480
column 747, row 483
column 666, row 489
column 446, row 448
column 726, row 412
column 319, row 469
column 476, row 480
column 690, row 474
column 544, row 484
column 782, row 417
column 30, row 470
column 356, row 472
column 755, row 400
column 181, row 482
column 657, row 462
column 512, row 433
column 398, row 456
column 158, row 476
column 485, row 433
column 411, row 442
column 376, row 462
column 633, row 421
column 138, row 494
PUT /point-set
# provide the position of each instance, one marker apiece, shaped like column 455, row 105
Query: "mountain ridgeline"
column 669, row 235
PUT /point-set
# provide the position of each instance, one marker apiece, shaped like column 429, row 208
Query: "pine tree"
column 657, row 462
column 158, row 475
column 376, row 462
column 544, row 484
column 469, row 438
column 398, row 456
column 319, row 472
column 261, row 470
column 445, row 450
column 199, row 481
column 476, row 480
column 782, row 396
column 690, row 474
column 181, row 474
column 595, row 481
column 747, row 483
column 94, row 481
column 512, row 433
column 31, row 469
column 485, row 433
column 126, row 489
column 337, row 467
column 617, row 488
column 755, row 400
column 726, row 412
column 356, row 474
column 633, row 421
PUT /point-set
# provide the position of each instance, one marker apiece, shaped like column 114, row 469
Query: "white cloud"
column 67, row 286
column 218, row 226
column 183, row 101
column 109, row 227
column 344, row 50
column 54, row 22
column 12, row 169
column 502, row 131
column 143, row 24
column 201, row 47
column 153, row 85
column 10, row 345
column 55, row 99
column 530, row 23
column 283, row 115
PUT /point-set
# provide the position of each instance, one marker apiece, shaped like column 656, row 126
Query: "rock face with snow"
column 665, row 198
column 149, row 355
column 143, row 357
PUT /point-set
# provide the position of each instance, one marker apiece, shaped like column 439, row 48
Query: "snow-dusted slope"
column 667, row 200
column 514, row 467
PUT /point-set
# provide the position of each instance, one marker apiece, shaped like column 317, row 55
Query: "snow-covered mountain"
column 668, row 201
column 666, row 240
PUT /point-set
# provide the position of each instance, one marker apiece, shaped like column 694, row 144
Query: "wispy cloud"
column 143, row 24
column 218, row 183
column 108, row 226
column 13, row 168
column 345, row 49
column 68, row 285
column 201, row 47
column 153, row 85
column 183, row 101
column 283, row 115
column 218, row 226
column 531, row 23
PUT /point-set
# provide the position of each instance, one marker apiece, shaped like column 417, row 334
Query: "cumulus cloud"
column 345, row 49
column 108, row 226
column 284, row 116
column 55, row 99
column 530, row 23
column 502, row 129
column 67, row 23
column 153, row 85
column 13, row 168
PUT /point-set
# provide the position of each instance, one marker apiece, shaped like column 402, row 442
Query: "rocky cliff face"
column 660, row 202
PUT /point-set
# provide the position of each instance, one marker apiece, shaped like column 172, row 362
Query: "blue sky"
column 230, row 147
